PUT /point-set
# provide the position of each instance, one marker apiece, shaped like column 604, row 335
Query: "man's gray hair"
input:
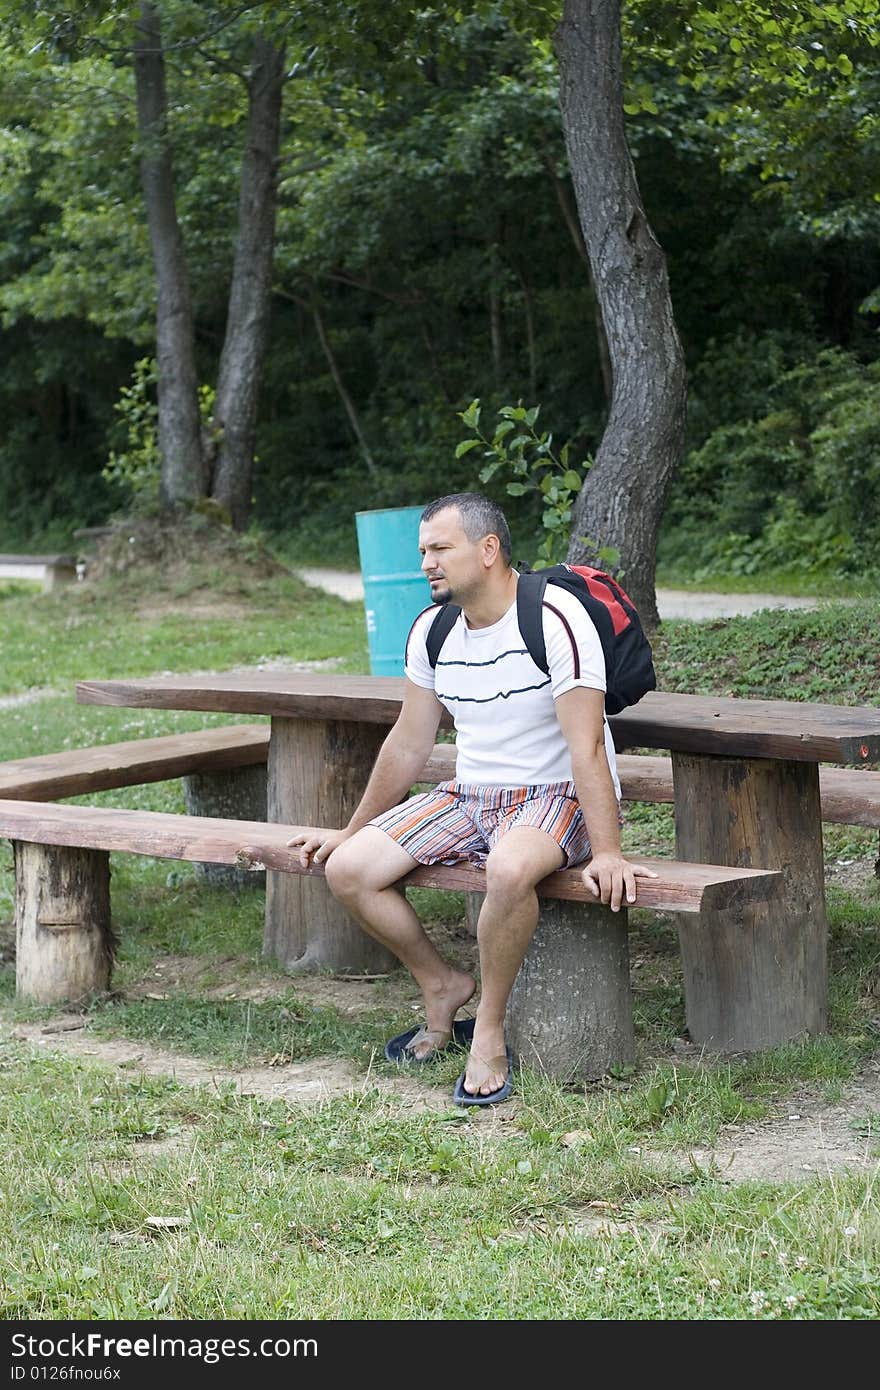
column 479, row 517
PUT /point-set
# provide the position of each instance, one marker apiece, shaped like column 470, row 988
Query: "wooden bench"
column 81, row 771
column 850, row 796
column 50, row 570
column 746, row 784
column 570, row 1012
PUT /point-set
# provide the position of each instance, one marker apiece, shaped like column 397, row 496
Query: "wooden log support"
column 317, row 772
column 237, row 794
column 755, row 975
column 64, row 942
column 570, row 1010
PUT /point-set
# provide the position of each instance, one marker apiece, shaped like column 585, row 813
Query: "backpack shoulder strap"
column 529, row 598
column 440, row 629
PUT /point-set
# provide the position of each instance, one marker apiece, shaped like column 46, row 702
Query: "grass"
column 261, row 1201
column 798, row 582
column 111, row 629
column 582, row 1203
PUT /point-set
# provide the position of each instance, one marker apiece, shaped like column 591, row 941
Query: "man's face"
column 450, row 562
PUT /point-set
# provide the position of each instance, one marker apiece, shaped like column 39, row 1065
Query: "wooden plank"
column 257, row 845
column 789, row 729
column 79, row 771
column 293, row 695
column 850, row 796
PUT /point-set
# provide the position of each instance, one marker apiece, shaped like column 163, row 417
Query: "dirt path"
column 805, row 1135
column 671, row 603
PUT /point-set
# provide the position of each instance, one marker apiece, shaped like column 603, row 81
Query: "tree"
column 244, row 343
column 189, row 469
column 180, row 442
column 621, row 502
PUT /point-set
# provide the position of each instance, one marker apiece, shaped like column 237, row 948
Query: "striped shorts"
column 456, row 821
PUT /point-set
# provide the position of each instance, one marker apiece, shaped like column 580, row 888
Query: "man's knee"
column 344, row 869
column 368, row 862
column 509, row 875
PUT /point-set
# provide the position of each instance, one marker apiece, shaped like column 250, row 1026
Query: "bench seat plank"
column 257, row 845
column 80, row 771
column 850, row 796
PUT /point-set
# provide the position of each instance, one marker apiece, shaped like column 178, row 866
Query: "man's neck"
column 490, row 606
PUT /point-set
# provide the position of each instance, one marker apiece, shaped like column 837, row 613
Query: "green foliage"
column 425, row 203
column 796, row 486
column 136, row 471
column 518, row 448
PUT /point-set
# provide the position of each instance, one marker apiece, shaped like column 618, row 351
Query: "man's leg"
column 507, row 922
column 362, row 873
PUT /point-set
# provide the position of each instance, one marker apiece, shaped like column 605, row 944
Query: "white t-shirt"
column 502, row 704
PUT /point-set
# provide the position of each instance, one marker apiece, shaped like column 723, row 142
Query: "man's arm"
column 609, row 876
column 400, row 760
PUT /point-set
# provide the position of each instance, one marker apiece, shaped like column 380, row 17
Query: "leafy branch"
column 517, row 447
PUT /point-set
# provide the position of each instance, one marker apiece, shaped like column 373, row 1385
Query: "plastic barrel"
column 395, row 590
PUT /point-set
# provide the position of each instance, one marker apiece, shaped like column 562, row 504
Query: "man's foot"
column 408, row 1046
column 441, row 1006
column 486, row 1080
column 487, row 1069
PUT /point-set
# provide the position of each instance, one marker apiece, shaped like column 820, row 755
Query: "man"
column 535, row 789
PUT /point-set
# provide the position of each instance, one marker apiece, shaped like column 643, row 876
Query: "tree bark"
column 180, row 444
column 621, row 502
column 244, row 345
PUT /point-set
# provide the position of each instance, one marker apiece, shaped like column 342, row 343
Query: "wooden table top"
column 785, row 729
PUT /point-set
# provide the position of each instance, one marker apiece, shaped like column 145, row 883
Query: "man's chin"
column 440, row 595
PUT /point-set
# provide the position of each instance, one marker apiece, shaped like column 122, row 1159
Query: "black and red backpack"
column 629, row 665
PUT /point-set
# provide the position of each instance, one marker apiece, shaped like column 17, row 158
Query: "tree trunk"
column 241, row 361
column 180, row 445
column 621, row 502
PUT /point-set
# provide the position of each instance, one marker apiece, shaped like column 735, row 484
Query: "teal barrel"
column 395, row 590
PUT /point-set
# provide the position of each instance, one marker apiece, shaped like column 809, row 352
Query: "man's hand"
column 316, row 845
column 609, row 876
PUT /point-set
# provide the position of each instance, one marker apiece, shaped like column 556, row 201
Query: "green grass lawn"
column 577, row 1203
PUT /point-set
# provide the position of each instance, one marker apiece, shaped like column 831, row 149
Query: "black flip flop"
column 399, row 1049
column 462, row 1097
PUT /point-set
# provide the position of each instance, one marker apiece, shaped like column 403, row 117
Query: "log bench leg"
column 64, row 942
column 238, row 793
column 317, row 774
column 570, row 1010
column 756, row 976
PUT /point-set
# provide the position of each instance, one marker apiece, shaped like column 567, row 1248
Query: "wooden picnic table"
column 746, row 778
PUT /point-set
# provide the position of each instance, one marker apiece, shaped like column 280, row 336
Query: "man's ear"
column 491, row 549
